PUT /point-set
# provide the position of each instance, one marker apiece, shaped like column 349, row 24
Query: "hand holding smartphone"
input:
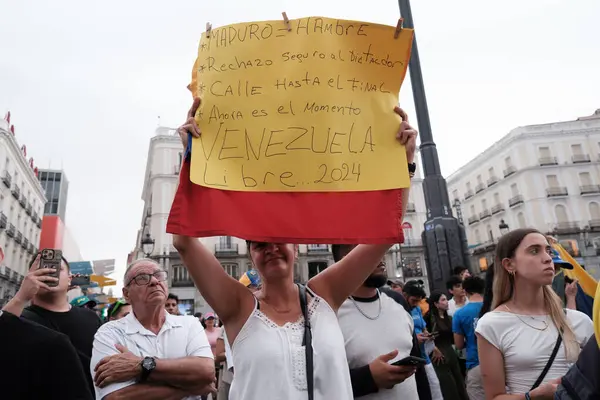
column 410, row 361
column 51, row 258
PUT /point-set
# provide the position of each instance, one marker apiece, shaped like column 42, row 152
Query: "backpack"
column 581, row 381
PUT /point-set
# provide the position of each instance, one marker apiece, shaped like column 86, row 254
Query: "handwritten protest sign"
column 303, row 110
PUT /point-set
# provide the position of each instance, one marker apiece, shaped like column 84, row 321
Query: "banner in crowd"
column 298, row 133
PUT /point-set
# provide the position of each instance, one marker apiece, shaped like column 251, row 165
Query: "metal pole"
column 443, row 238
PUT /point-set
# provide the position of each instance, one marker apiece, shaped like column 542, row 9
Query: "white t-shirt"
column 452, row 307
column 367, row 339
column 180, row 336
column 526, row 350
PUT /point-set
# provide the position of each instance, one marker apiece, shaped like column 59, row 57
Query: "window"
column 455, row 194
column 411, row 267
column 473, row 213
column 521, row 220
column 477, row 236
column 468, row 186
column 561, row 214
column 508, row 162
column 576, row 149
column 483, row 265
column 232, row 270
column 186, row 307
column 491, row 172
column 225, row 242
column 180, row 157
column 479, row 180
column 594, row 211
column 490, row 233
column 544, row 152
column 180, row 274
column 552, row 181
column 497, row 199
column 585, row 179
column 483, row 204
column 314, row 267
column 514, row 190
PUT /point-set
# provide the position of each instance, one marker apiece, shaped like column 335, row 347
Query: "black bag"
column 307, row 342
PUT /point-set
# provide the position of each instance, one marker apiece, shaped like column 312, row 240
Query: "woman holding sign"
column 266, row 329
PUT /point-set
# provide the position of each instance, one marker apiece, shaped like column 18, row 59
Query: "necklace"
column 525, row 322
column 363, row 313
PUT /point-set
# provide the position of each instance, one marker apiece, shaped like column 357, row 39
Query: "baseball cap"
column 209, row 315
column 250, row 278
column 82, row 301
column 415, row 288
column 559, row 262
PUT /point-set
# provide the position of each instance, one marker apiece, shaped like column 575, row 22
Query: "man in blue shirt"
column 414, row 292
column 463, row 326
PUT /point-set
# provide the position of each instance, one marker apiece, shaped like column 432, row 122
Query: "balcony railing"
column 516, row 200
column 492, row 181
column 226, row 249
column 10, row 232
column 19, row 237
column 469, row 194
column 16, row 192
column 23, row 201
column 594, row 225
column 484, row 214
column 580, row 158
column 3, row 220
column 589, row 189
column 31, row 248
column 548, row 161
column 29, row 209
column 497, row 208
column 25, row 243
column 567, row 227
column 509, row 171
column 473, row 219
column 557, row 191
column 14, row 277
column 39, row 222
column 479, row 188
column 7, row 179
column 410, row 208
column 317, row 249
column 182, row 283
column 34, row 216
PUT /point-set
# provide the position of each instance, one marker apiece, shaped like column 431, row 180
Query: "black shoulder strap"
column 307, row 342
column 540, row 379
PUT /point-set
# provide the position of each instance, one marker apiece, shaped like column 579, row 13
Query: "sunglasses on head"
column 117, row 305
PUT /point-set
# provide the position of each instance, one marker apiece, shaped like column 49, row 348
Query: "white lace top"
column 270, row 359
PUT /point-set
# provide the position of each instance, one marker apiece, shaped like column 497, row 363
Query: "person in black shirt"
column 38, row 363
column 50, row 308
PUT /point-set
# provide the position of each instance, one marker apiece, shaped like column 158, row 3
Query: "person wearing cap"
column 565, row 288
column 414, row 293
column 117, row 310
column 50, row 308
column 83, row 301
column 396, row 285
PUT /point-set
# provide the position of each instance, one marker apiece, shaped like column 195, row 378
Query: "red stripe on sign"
column 303, row 218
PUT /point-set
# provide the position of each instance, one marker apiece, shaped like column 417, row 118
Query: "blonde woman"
column 517, row 339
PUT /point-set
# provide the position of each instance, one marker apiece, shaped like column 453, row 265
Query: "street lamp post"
column 444, row 237
column 504, row 229
column 147, row 245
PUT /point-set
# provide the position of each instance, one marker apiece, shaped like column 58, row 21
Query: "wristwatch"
column 148, row 365
column 412, row 168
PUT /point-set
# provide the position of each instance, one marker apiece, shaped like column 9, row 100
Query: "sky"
column 87, row 83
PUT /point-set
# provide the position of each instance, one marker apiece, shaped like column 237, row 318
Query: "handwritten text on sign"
column 309, row 109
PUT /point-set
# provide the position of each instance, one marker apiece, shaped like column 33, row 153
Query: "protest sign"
column 308, row 109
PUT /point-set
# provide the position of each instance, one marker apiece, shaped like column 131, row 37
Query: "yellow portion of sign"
column 306, row 110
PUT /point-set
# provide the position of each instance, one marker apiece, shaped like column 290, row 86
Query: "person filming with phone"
column 45, row 287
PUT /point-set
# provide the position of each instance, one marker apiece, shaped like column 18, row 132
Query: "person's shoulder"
column 30, row 331
column 575, row 316
column 113, row 328
column 582, row 325
column 495, row 318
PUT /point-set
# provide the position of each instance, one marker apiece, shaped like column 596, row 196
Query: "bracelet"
column 527, row 396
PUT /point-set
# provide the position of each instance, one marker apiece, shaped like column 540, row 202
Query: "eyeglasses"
column 144, row 279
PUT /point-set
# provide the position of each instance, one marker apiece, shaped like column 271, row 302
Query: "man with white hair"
column 151, row 354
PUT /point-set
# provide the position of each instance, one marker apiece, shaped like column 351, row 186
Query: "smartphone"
column 52, row 258
column 80, row 280
column 410, row 361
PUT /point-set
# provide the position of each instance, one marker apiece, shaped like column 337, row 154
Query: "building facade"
column 22, row 202
column 543, row 176
column 56, row 186
column 160, row 183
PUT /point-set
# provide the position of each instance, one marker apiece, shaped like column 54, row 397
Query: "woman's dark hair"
column 433, row 310
column 488, row 294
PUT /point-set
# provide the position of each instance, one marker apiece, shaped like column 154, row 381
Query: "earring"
column 512, row 273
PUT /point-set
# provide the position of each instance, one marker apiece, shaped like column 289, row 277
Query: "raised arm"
column 337, row 282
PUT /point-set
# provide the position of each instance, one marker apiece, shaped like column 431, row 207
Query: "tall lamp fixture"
column 147, row 245
column 504, row 229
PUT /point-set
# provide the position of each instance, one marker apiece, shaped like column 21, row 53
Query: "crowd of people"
column 349, row 332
